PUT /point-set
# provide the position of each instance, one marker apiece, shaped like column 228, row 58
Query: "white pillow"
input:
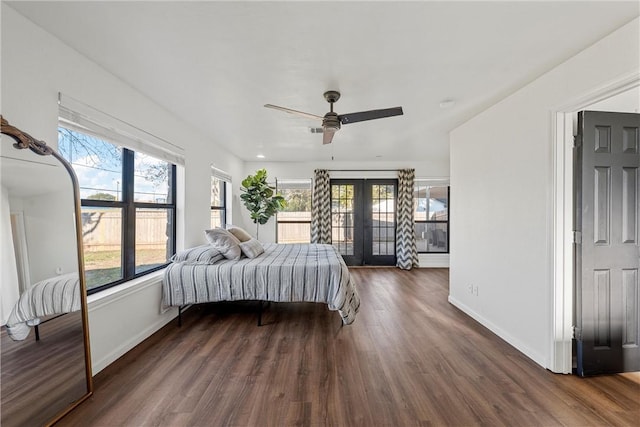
column 204, row 254
column 225, row 242
column 251, row 248
column 240, row 233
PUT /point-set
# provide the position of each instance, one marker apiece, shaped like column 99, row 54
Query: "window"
column 128, row 208
column 294, row 221
column 218, row 202
column 220, row 194
column 431, row 217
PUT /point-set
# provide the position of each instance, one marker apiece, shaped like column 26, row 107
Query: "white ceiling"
column 215, row 64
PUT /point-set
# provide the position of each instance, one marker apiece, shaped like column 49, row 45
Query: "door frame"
column 20, row 247
column 362, row 252
column 563, row 128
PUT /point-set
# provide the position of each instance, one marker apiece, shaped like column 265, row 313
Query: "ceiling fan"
column 331, row 121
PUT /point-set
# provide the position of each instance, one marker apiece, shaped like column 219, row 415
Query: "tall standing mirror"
column 45, row 358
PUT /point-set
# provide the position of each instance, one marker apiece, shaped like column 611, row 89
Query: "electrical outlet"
column 470, row 288
column 475, row 290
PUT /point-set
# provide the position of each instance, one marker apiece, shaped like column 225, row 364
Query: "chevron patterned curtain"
column 406, row 250
column 321, row 207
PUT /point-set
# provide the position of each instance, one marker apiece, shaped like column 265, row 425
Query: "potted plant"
column 260, row 198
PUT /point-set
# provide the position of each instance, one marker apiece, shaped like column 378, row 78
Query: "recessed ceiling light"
column 260, row 156
column 447, row 103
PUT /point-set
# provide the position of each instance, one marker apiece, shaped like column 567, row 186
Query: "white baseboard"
column 527, row 351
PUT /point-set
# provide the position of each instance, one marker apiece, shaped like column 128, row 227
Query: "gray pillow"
column 225, row 242
column 251, row 248
column 240, row 233
column 204, row 254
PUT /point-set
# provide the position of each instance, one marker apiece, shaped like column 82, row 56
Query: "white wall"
column 502, row 209
column 44, row 235
column 35, row 67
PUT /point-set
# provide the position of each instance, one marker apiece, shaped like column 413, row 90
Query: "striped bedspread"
column 283, row 273
column 56, row 295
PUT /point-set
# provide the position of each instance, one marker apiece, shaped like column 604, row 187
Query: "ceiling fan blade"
column 327, row 136
column 290, row 111
column 369, row 115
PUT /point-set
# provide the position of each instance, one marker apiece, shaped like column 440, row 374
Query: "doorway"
column 619, row 96
column 363, row 220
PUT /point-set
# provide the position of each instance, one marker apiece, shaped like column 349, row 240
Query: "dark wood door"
column 607, row 255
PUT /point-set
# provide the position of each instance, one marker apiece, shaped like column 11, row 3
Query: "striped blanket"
column 283, row 273
column 56, row 295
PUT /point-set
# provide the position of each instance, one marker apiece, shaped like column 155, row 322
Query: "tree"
column 102, row 196
column 74, row 145
column 298, row 200
column 260, row 199
column 90, row 221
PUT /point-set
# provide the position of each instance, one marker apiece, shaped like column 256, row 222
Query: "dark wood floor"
column 409, row 359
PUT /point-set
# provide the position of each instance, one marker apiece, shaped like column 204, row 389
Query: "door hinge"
column 577, row 141
column 576, row 333
column 577, row 237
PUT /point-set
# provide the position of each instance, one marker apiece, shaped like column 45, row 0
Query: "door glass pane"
column 151, row 179
column 383, row 203
column 342, row 217
column 152, row 243
column 102, row 237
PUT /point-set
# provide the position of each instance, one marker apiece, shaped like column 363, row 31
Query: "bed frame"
column 261, row 306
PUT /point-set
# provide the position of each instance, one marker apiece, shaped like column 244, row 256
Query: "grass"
column 102, row 267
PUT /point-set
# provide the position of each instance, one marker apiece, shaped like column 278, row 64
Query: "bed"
column 53, row 296
column 283, row 273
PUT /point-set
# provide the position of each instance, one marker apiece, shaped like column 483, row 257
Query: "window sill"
column 123, row 290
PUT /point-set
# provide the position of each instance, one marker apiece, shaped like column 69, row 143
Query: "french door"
column 363, row 220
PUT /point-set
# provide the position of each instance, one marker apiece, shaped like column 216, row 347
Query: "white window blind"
column 80, row 117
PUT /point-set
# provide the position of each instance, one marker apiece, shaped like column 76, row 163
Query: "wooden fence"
column 296, row 231
column 103, row 230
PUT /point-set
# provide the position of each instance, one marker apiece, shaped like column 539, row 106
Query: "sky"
column 97, row 164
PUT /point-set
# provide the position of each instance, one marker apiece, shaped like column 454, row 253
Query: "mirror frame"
column 26, row 141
